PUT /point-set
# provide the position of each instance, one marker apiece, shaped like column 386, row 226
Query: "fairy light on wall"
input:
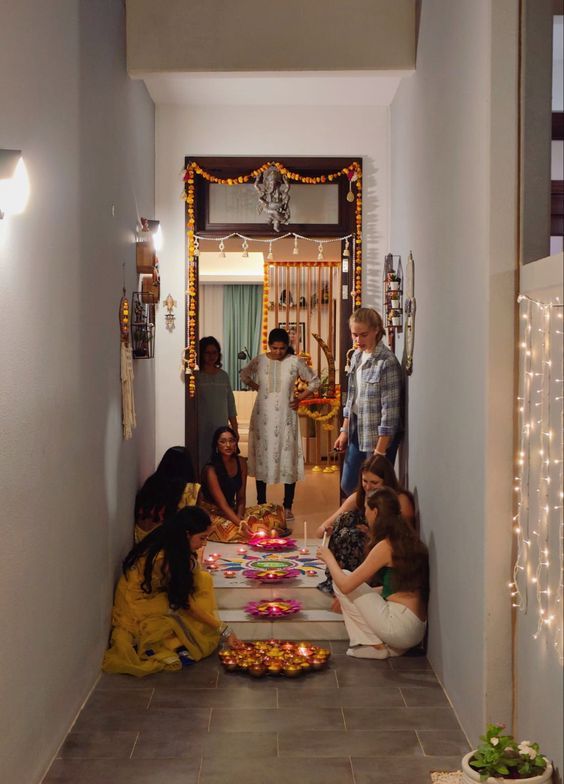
column 538, row 523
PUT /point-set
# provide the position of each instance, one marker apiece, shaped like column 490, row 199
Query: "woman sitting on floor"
column 164, row 610
column 170, row 488
column 386, row 621
column 224, row 484
column 348, row 527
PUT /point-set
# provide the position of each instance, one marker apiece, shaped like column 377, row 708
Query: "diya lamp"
column 229, row 573
column 292, row 670
column 241, row 550
column 318, row 663
column 311, row 573
column 274, row 668
column 257, row 669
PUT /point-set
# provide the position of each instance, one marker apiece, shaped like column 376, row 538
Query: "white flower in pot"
column 500, row 758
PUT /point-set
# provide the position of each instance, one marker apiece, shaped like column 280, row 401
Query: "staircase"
column 314, row 622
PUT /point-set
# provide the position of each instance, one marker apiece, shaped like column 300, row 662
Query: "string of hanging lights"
column 538, row 522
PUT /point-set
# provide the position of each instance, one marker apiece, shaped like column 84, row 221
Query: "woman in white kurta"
column 275, row 449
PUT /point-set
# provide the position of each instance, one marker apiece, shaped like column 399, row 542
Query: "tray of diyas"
column 271, row 542
column 276, row 574
column 275, row 657
column 273, row 608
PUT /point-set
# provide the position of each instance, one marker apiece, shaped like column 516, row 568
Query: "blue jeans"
column 354, row 458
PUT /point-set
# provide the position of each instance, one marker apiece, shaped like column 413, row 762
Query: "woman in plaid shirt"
column 371, row 423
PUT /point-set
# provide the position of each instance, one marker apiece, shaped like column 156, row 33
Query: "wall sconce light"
column 14, row 183
column 148, row 243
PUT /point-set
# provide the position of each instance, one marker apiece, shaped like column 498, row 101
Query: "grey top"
column 216, row 405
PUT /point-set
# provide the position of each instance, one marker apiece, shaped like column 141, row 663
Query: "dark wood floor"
column 358, row 722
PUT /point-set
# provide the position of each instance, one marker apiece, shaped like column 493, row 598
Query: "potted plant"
column 500, row 758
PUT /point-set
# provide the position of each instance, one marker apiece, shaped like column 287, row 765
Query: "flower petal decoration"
column 273, row 608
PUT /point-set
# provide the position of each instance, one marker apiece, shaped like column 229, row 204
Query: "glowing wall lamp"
column 14, row 183
column 149, row 243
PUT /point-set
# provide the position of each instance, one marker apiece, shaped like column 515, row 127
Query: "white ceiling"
column 324, row 88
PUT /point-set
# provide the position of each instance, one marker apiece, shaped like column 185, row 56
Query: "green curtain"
column 242, row 322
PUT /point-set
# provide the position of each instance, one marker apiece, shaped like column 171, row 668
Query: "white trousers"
column 371, row 620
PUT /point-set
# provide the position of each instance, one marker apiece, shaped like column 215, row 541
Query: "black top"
column 230, row 485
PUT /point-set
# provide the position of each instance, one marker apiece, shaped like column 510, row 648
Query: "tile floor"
column 358, row 722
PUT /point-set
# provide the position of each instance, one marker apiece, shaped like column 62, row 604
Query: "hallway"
column 357, row 722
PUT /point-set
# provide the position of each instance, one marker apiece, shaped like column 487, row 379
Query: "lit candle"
column 273, row 533
column 304, row 549
column 242, row 550
column 229, row 573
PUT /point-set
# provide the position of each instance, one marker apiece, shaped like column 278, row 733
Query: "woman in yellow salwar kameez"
column 164, row 609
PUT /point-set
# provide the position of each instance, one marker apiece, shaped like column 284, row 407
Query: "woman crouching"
column 164, row 612
column 384, row 621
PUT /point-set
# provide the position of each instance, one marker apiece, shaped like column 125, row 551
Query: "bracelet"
column 226, row 632
column 343, row 430
column 382, row 454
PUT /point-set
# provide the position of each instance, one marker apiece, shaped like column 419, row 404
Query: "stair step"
column 314, row 622
column 306, row 625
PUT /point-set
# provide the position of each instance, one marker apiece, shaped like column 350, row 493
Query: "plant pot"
column 470, row 776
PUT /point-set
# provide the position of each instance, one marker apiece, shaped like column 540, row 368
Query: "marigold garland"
column 353, row 172
column 324, row 419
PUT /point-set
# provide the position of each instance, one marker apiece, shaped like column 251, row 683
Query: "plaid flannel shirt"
column 379, row 402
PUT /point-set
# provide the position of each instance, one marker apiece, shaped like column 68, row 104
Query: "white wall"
column 68, row 480
column 453, row 203
column 272, row 131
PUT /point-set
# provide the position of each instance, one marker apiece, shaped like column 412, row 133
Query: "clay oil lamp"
column 292, row 670
column 311, row 572
column 230, row 665
column 257, row 669
column 241, row 550
column 230, row 574
column 318, row 663
column 274, row 668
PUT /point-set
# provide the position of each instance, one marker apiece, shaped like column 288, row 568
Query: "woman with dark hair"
column 348, row 527
column 386, row 621
column 224, row 483
column 169, row 489
column 164, row 610
column 275, row 445
column 216, row 402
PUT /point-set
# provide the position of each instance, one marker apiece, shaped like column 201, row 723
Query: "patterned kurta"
column 275, row 446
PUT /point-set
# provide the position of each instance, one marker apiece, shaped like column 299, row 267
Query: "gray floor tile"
column 276, row 720
column 98, row 744
column 443, row 742
column 115, row 719
column 276, row 771
column 369, row 673
column 348, row 696
column 241, row 695
column 202, row 675
column 340, row 647
column 401, row 770
column 360, row 743
column 409, row 663
column 158, row 745
column 432, row 718
column 132, row 771
column 124, row 699
column 432, row 695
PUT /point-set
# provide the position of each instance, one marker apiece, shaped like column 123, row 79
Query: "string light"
column 537, row 467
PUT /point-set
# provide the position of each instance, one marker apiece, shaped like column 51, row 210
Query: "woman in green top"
column 385, row 621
